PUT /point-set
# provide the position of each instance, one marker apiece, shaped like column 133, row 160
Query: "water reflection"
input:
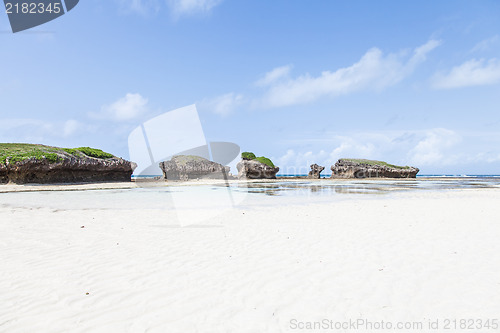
column 379, row 186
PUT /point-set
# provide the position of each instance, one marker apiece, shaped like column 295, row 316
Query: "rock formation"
column 4, row 177
column 358, row 168
column 315, row 171
column 56, row 165
column 185, row 167
column 254, row 169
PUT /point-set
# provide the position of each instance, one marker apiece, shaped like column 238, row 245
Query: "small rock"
column 315, row 171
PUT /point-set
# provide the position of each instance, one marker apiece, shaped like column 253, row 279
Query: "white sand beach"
column 267, row 265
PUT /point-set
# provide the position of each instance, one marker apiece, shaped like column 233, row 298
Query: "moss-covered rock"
column 252, row 167
column 265, row 160
column 31, row 163
column 248, row 156
column 262, row 159
column 373, row 162
column 91, row 152
column 11, row 153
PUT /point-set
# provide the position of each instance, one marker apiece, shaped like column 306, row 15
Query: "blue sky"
column 410, row 82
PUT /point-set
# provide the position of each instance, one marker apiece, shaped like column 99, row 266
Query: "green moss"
column 251, row 156
column 18, row 152
column 372, row 162
column 72, row 151
column 265, row 160
column 92, row 152
column 248, row 156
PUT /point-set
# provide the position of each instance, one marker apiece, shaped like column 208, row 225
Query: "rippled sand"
column 131, row 260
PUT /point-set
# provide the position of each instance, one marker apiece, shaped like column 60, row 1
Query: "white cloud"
column 225, row 104
column 142, row 7
column 274, row 75
column 191, row 7
column 486, row 44
column 39, row 131
column 471, row 73
column 351, row 147
column 126, row 108
column 428, row 149
column 70, row 127
column 9, row 124
column 432, row 149
column 178, row 8
column 487, row 157
column 298, row 162
column 25, row 130
column 373, row 71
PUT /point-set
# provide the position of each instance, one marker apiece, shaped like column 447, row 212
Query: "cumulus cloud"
column 341, row 146
column 486, row 44
column 432, row 149
column 224, row 104
column 36, row 130
column 70, row 127
column 178, row 8
column 25, row 130
column 126, row 108
column 373, row 71
column 350, row 147
column 429, row 148
column 470, row 73
column 191, row 7
column 274, row 75
column 142, row 7
column 297, row 162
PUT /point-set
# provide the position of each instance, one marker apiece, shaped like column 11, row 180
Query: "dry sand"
column 257, row 268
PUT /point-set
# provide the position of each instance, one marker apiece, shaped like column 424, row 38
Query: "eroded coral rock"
column 359, row 168
column 315, row 171
column 253, row 169
column 186, row 167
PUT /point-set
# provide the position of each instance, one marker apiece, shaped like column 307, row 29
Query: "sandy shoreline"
column 8, row 188
column 403, row 257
